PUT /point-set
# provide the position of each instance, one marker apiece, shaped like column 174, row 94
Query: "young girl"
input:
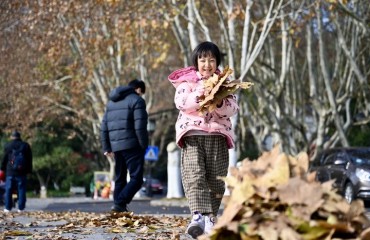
column 204, row 138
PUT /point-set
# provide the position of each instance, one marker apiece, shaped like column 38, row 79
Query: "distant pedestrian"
column 124, row 136
column 204, row 138
column 17, row 163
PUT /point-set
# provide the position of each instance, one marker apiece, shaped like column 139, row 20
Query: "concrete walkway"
column 37, row 224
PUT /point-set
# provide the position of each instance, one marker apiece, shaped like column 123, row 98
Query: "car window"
column 329, row 160
column 341, row 156
column 155, row 181
column 319, row 160
column 360, row 157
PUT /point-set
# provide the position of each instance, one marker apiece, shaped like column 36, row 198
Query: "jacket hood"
column 188, row 74
column 120, row 93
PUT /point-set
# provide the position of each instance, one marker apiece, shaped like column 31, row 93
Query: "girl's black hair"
column 205, row 49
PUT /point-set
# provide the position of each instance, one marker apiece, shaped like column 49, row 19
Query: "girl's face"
column 207, row 65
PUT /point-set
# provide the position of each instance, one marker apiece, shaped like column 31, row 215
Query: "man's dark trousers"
column 18, row 183
column 133, row 161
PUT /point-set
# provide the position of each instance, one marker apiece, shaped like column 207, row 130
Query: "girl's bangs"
column 206, row 53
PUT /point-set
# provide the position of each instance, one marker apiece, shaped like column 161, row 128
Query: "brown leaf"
column 274, row 197
column 217, row 87
column 18, row 233
column 229, row 213
column 365, row 235
column 213, row 84
column 357, row 208
column 268, row 232
column 289, row 234
column 298, row 191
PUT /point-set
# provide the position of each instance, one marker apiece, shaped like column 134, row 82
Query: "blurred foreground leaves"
column 275, row 198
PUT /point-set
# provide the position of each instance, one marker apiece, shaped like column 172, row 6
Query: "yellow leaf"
column 18, row 233
column 116, row 230
column 242, row 192
column 268, row 232
column 332, row 219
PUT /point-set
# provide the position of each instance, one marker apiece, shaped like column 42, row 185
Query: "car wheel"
column 348, row 192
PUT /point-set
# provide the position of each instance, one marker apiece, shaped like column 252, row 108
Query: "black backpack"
column 17, row 158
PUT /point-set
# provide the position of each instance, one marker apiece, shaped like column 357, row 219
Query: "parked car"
column 349, row 167
column 155, row 185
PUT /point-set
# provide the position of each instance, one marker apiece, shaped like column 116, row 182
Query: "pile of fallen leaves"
column 217, row 87
column 78, row 225
column 275, row 198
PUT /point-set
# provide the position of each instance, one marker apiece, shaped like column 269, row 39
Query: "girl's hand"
column 220, row 103
column 200, row 89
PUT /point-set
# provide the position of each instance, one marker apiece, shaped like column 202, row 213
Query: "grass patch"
column 50, row 194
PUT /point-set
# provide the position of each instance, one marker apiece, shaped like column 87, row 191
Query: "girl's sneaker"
column 209, row 221
column 196, row 226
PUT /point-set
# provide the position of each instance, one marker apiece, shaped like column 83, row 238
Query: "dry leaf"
column 218, row 87
column 274, row 197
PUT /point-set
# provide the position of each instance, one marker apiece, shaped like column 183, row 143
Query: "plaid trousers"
column 203, row 159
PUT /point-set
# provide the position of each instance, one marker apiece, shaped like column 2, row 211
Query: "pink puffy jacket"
column 189, row 87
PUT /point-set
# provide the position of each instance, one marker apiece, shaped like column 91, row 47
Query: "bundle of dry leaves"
column 217, row 87
column 275, row 198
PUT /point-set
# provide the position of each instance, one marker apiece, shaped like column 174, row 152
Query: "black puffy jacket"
column 124, row 124
column 15, row 144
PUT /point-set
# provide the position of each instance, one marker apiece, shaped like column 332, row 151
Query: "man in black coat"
column 16, row 178
column 124, row 136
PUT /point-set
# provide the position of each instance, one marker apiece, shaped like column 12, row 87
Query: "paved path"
column 35, row 223
column 39, row 224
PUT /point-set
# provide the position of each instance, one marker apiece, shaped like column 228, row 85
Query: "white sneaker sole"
column 195, row 231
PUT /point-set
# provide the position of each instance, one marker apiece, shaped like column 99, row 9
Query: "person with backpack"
column 17, row 163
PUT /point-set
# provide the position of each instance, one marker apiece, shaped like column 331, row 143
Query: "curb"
column 40, row 203
column 170, row 202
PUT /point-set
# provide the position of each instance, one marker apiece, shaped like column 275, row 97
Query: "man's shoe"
column 6, row 210
column 196, row 226
column 20, row 211
column 209, row 222
column 119, row 208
